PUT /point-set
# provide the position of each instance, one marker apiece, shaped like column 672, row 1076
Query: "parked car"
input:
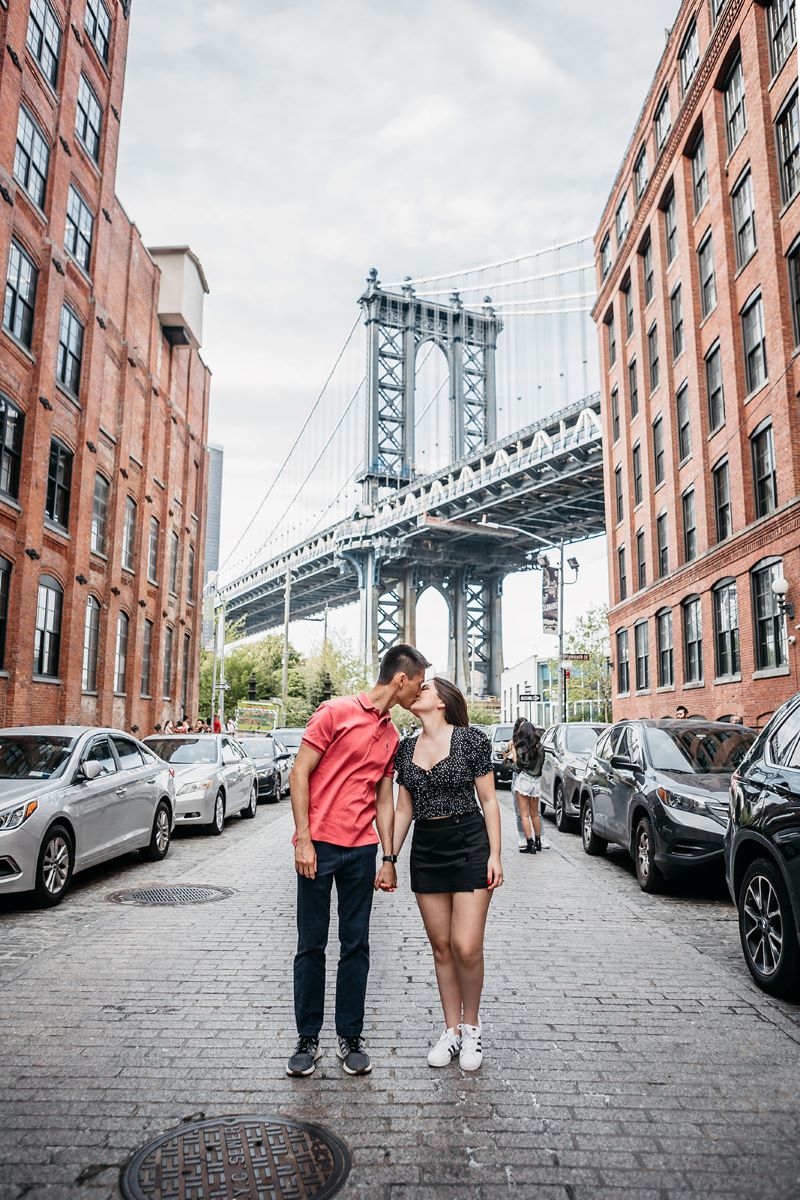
column 568, row 748
column 660, row 789
column 72, row 797
column 214, row 778
column 499, row 736
column 762, row 853
column 291, row 738
column 273, row 762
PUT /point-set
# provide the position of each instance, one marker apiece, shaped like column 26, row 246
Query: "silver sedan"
column 72, row 797
column 214, row 778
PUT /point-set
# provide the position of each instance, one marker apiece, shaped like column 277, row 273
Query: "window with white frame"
column 754, row 337
column 744, row 219
column 663, row 120
column 735, row 109
column 689, row 56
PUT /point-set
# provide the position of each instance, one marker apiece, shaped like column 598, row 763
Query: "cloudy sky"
column 295, row 144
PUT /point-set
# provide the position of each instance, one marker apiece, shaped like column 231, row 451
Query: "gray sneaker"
column 355, row 1059
column 304, row 1059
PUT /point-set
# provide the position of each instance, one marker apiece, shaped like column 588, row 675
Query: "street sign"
column 529, row 698
column 578, row 657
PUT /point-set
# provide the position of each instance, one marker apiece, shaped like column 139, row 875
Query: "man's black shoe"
column 305, row 1056
column 355, row 1059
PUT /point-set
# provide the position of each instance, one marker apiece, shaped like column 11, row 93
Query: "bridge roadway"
column 546, row 478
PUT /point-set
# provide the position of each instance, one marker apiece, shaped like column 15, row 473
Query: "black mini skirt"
column 450, row 854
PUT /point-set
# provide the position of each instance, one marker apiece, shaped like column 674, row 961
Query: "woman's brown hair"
column 455, row 706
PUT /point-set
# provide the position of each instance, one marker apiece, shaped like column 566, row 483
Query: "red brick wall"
column 141, row 419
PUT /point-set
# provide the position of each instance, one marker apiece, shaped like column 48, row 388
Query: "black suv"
column 762, row 853
column 660, row 789
column 567, row 749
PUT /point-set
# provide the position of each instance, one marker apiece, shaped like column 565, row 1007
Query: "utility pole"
column 287, row 607
column 562, row 688
column 221, row 631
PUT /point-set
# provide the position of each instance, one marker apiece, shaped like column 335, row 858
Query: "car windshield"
column 29, row 757
column 185, row 750
column 291, row 738
column 258, row 747
column 581, row 739
column 698, row 749
column 503, row 732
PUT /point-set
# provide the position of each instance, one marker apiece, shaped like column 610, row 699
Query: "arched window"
column 121, row 653
column 91, row 639
column 726, row 628
column 47, row 638
column 692, row 640
column 666, row 666
column 102, row 490
column 769, row 626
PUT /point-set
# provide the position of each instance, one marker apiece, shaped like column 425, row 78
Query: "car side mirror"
column 89, row 770
column 283, row 757
column 620, row 763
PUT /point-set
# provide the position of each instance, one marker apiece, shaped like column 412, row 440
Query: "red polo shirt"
column 358, row 745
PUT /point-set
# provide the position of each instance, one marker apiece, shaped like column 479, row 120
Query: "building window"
column 793, row 261
column 744, row 219
column 666, row 657
column 754, row 337
column 659, row 465
column 708, row 278
column 618, row 496
column 647, row 263
column 627, row 292
column 59, row 484
column 102, row 491
column 5, row 587
column 612, row 339
column 765, row 480
column 173, row 564
column 31, row 158
column 735, row 111
column 692, row 640
column 676, row 311
column 622, row 573
column 636, row 456
column 79, row 228
column 689, row 57
column 190, row 576
column 623, row 662
column 615, row 414
column 716, row 398
column 12, row 426
column 70, row 351
column 89, row 118
column 641, row 560
column 97, row 24
column 622, row 219
column 129, row 535
column 147, row 657
column 121, row 653
column 187, row 646
column 671, row 227
column 47, row 638
column 663, row 121
column 699, row 174
column 662, row 537
column 641, row 640
column 91, row 640
column 726, row 628
column 152, row 551
column 769, row 625
column 652, row 351
column 44, row 38
column 689, row 526
column 781, row 20
column 633, row 386
column 605, row 255
column 788, row 130
column 684, row 425
column 641, row 177
column 716, row 8
column 722, row 500
column 166, row 689
column 19, row 304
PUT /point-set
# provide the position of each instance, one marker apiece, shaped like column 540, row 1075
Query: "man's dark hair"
column 682, row 708
column 157, row 727
column 402, row 658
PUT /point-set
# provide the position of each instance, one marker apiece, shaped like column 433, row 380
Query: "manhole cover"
column 194, row 893
column 238, row 1158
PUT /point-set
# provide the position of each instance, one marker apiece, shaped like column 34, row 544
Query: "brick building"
column 698, row 259
column 103, row 397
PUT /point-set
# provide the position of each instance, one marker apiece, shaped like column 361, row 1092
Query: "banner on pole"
column 550, row 599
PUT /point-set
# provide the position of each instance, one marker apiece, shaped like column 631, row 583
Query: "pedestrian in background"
column 169, row 727
column 217, row 724
column 157, row 727
column 509, row 755
column 230, row 726
column 529, row 757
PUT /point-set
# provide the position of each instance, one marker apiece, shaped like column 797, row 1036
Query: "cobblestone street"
column 626, row 1050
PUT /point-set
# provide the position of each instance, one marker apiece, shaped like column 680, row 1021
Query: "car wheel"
column 217, row 822
column 563, row 822
column 767, row 929
column 54, row 867
column 160, row 838
column 252, row 808
column 644, row 849
column 592, row 843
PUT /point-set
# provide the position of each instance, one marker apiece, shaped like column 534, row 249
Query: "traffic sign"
column 578, row 657
column 529, row 698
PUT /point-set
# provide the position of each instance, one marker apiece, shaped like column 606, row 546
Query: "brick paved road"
column 627, row 1052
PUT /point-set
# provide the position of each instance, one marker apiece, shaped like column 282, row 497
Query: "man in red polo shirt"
column 341, row 789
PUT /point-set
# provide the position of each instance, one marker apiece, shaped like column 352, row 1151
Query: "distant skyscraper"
column 213, row 510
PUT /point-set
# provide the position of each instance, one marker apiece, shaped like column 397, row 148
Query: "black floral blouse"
column 448, row 789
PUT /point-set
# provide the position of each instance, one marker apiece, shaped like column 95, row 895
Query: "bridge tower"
column 398, row 326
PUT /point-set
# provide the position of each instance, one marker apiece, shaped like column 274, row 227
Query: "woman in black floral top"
column 455, row 855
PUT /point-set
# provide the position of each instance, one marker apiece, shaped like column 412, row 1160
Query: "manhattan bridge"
column 456, row 436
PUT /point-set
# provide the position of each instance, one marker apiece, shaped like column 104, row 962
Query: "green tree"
column 590, row 680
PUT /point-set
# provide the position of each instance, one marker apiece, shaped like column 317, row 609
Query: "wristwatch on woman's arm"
column 390, row 858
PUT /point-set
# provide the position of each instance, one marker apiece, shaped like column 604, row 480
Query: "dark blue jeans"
column 353, row 869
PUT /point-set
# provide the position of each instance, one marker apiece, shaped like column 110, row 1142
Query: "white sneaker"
column 445, row 1050
column 471, row 1054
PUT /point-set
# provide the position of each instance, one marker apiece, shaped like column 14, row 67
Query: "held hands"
column 494, row 872
column 386, row 879
column 305, row 858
